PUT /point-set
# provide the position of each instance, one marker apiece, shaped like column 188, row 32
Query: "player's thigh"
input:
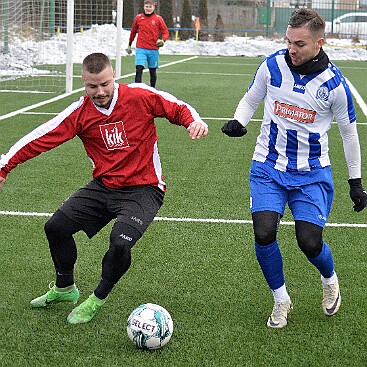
column 312, row 203
column 88, row 207
column 141, row 56
column 136, row 205
column 266, row 194
column 153, row 59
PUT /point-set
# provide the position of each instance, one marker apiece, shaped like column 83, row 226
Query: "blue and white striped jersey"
column 298, row 112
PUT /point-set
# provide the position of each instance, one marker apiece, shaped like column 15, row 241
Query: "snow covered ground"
column 102, row 38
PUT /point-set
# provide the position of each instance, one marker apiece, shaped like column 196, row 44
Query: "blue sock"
column 324, row 261
column 271, row 264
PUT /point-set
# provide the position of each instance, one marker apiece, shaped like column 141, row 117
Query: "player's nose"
column 100, row 90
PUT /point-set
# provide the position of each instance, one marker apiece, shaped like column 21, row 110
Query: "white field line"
column 358, row 98
column 203, row 73
column 257, row 120
column 354, row 91
column 204, row 118
column 23, row 91
column 61, row 96
column 197, row 220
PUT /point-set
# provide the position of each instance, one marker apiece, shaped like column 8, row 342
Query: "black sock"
column 103, row 289
column 153, row 77
column 64, row 278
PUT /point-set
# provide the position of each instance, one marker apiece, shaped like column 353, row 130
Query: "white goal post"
column 70, row 34
column 42, row 40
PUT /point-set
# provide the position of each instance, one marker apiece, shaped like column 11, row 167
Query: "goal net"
column 35, row 43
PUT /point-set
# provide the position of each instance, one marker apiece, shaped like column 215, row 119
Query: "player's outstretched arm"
column 197, row 130
column 2, row 181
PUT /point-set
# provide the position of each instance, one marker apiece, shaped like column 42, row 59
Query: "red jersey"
column 120, row 141
column 149, row 28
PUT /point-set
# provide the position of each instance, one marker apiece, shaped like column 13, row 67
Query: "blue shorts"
column 309, row 194
column 142, row 55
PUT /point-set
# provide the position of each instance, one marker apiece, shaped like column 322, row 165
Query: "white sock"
column 281, row 295
column 331, row 280
column 66, row 289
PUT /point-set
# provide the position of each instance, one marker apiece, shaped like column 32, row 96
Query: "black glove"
column 234, row 129
column 358, row 194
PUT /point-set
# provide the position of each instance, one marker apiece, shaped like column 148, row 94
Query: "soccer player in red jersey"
column 152, row 33
column 115, row 123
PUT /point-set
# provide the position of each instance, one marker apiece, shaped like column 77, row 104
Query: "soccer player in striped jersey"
column 115, row 123
column 303, row 92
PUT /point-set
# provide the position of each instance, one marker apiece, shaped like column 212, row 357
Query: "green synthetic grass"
column 205, row 274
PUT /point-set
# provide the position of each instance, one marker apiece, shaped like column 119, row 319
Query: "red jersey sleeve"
column 163, row 29
column 162, row 104
column 45, row 137
column 134, row 30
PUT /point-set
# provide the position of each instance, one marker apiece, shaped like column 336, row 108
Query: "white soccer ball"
column 150, row 326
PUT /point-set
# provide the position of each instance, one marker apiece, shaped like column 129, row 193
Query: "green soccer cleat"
column 54, row 296
column 86, row 310
column 279, row 317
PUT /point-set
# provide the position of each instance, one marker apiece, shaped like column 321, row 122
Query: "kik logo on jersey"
column 114, row 136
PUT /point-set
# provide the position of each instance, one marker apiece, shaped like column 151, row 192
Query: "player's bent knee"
column 311, row 247
column 309, row 238
column 265, row 227
column 264, row 238
column 123, row 237
column 60, row 226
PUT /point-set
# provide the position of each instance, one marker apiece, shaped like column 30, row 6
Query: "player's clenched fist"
column 197, row 129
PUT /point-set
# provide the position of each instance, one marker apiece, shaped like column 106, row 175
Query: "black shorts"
column 95, row 205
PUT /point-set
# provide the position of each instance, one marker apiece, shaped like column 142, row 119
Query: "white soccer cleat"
column 331, row 298
column 279, row 316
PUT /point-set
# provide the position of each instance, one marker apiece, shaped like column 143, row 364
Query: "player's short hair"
column 309, row 19
column 149, row 2
column 95, row 63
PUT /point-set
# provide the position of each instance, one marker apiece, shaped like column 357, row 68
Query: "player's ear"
column 321, row 41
